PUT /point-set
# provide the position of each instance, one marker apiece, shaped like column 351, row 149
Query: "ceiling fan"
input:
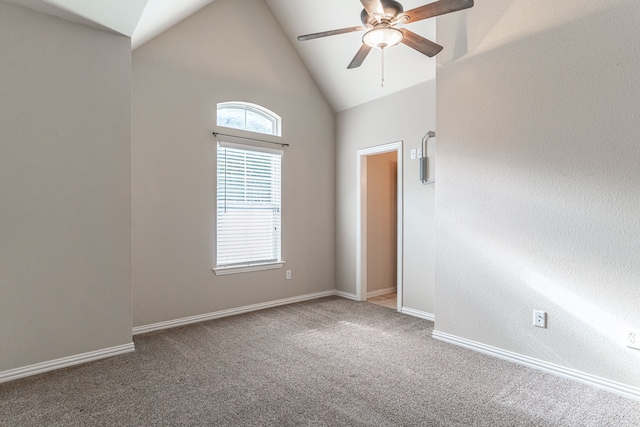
column 380, row 18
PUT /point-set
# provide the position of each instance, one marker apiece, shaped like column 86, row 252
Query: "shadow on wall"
column 501, row 22
column 461, row 45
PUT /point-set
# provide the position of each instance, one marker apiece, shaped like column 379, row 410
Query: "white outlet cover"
column 539, row 318
column 633, row 339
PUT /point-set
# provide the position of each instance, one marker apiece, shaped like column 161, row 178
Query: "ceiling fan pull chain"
column 382, row 82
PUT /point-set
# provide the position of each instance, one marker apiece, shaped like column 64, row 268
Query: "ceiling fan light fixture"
column 382, row 37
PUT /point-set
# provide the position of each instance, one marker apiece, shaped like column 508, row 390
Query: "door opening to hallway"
column 380, row 194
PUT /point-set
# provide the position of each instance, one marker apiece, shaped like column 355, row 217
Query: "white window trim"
column 239, row 146
column 222, row 271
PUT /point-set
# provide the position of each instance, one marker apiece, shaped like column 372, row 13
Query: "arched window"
column 247, row 116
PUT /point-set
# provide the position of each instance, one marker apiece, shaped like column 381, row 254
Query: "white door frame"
column 361, row 218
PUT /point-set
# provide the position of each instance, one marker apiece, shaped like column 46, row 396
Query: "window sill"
column 221, row 271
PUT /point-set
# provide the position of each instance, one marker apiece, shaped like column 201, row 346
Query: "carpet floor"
column 328, row 362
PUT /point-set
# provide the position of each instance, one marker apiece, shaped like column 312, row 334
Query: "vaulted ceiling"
column 325, row 58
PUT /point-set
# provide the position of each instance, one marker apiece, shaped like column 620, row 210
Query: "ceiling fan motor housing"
column 391, row 9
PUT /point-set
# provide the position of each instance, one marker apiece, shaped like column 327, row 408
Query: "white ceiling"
column 160, row 15
column 326, row 58
column 121, row 16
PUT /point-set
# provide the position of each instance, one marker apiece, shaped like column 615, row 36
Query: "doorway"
column 379, row 228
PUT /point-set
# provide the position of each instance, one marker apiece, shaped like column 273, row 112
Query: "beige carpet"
column 329, row 362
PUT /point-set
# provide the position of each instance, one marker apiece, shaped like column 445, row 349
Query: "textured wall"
column 65, row 195
column 231, row 50
column 403, row 116
column 538, row 181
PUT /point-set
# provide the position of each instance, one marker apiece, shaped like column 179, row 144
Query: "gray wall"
column 538, row 181
column 402, row 116
column 231, row 50
column 65, row 229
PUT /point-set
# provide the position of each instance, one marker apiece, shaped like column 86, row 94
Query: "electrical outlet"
column 288, row 274
column 539, row 318
column 413, row 154
column 420, row 152
column 633, row 339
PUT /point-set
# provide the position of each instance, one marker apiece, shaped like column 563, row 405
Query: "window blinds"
column 248, row 205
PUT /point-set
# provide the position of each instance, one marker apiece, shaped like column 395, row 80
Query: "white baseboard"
column 418, row 313
column 346, row 295
column 65, row 362
column 572, row 374
column 225, row 313
column 79, row 359
column 384, row 291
